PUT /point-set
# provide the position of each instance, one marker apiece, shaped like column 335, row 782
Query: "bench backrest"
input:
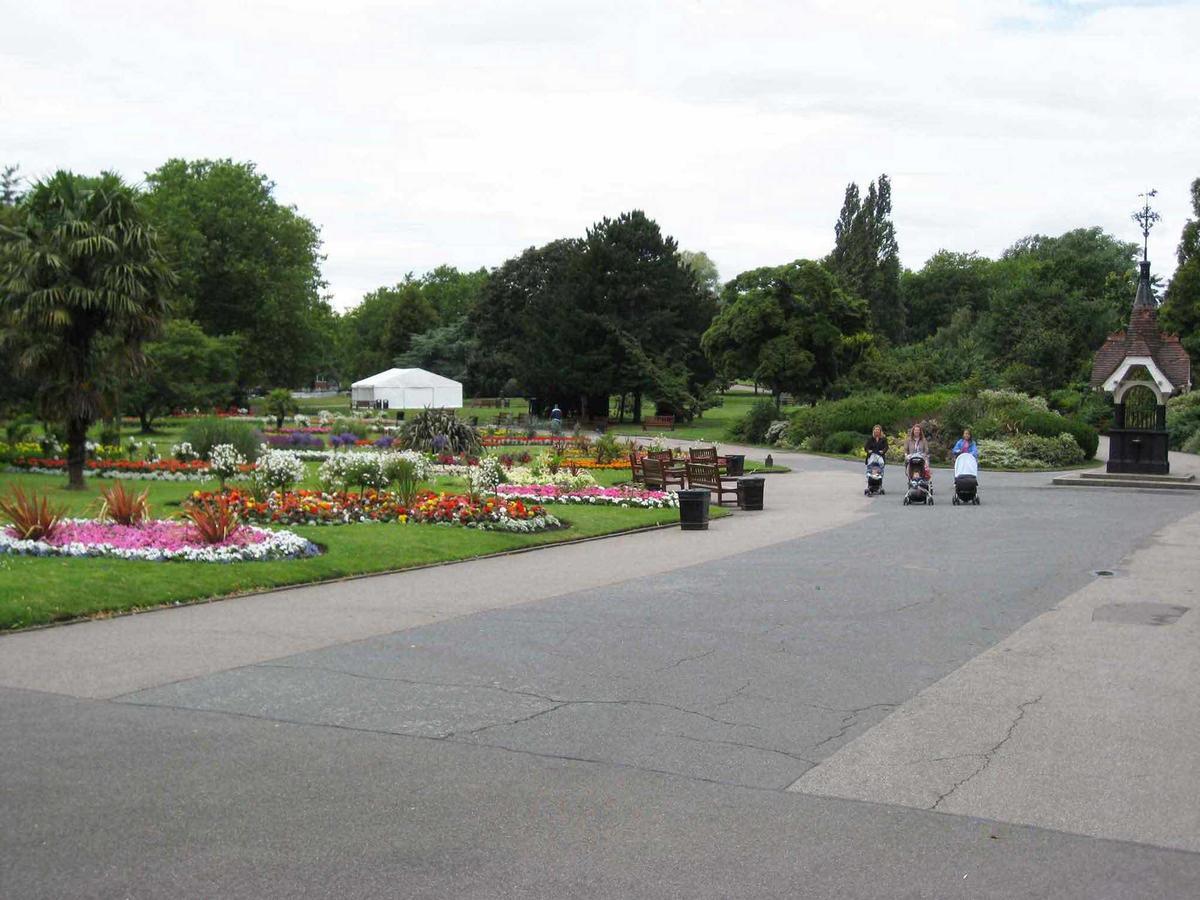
column 703, row 455
column 652, row 472
column 662, row 456
column 703, row 474
column 635, row 465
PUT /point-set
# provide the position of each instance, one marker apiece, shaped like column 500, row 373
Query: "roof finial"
column 1146, row 217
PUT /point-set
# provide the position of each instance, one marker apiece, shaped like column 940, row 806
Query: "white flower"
column 224, row 461
column 279, row 469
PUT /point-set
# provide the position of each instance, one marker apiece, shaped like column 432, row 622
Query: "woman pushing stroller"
column 916, row 467
column 966, row 470
column 876, row 449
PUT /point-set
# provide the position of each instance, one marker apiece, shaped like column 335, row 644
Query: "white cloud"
column 423, row 133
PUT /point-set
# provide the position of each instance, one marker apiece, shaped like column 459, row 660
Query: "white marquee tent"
column 406, row 389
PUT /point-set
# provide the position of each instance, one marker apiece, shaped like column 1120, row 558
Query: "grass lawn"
column 40, row 590
column 714, row 427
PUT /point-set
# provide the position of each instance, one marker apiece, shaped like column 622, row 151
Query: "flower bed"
column 592, row 496
column 428, row 508
column 159, row 540
column 160, row 470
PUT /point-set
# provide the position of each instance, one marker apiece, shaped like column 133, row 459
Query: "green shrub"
column 1062, row 450
column 752, row 427
column 1066, row 401
column 1182, row 423
column 1192, row 444
column 859, row 412
column 844, row 442
column 204, row 434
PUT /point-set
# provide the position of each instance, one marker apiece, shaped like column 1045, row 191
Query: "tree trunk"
column 621, row 409
column 76, row 452
column 146, row 420
column 637, row 407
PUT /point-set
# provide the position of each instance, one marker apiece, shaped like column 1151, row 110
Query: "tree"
column 947, row 283
column 280, row 403
column 792, row 328
column 382, row 326
column 866, row 256
column 82, row 285
column 444, row 350
column 646, row 312
column 524, row 326
column 1052, row 302
column 577, row 321
column 707, row 275
column 10, row 186
column 247, row 264
column 184, row 368
column 1181, row 308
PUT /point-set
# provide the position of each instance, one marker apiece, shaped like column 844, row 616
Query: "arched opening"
column 1141, row 408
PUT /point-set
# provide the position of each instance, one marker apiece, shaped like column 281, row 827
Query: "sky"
column 424, row 133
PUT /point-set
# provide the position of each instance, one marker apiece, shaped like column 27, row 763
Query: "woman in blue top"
column 966, row 445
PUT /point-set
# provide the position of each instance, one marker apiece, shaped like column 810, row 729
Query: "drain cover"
column 1139, row 613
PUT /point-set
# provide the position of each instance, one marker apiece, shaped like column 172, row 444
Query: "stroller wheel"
column 907, row 501
column 882, row 492
column 929, row 501
column 954, row 501
column 976, row 501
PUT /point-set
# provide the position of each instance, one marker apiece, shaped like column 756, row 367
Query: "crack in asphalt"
column 848, row 721
column 787, row 753
column 989, row 754
column 460, row 743
column 558, row 702
column 680, row 662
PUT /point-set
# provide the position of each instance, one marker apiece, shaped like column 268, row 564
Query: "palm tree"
column 82, row 284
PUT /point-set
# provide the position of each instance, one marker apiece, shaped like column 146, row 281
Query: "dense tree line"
column 228, row 297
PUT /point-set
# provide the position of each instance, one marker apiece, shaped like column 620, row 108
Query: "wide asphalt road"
column 632, row 740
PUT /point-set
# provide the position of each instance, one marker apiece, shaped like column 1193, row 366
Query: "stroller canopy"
column 966, row 464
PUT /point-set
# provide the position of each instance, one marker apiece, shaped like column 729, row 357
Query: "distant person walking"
column 556, row 420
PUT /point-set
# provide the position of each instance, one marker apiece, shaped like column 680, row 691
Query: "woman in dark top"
column 876, row 443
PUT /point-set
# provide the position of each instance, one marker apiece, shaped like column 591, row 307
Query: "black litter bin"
column 693, row 509
column 750, row 492
column 735, row 464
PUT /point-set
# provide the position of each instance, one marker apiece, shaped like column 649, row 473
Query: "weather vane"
column 1146, row 217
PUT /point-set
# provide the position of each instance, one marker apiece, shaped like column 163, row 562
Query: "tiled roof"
column 1143, row 338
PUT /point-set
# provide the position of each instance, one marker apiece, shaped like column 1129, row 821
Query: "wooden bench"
column 704, row 475
column 707, row 456
column 635, row 468
column 657, row 476
column 667, row 422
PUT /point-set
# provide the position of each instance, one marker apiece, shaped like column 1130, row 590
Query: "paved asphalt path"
column 632, row 740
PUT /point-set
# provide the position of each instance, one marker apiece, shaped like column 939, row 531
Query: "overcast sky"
column 421, row 133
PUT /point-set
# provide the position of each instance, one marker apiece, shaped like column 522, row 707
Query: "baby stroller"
column 874, row 475
column 966, row 480
column 920, row 485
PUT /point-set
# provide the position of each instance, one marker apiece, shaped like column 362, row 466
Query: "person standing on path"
column 876, row 443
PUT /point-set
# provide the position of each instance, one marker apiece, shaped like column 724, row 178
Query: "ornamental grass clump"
column 215, row 519
column 439, row 430
column 123, row 506
column 30, row 517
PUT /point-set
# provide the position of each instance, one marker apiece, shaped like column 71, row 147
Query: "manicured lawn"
column 35, row 591
column 714, row 427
